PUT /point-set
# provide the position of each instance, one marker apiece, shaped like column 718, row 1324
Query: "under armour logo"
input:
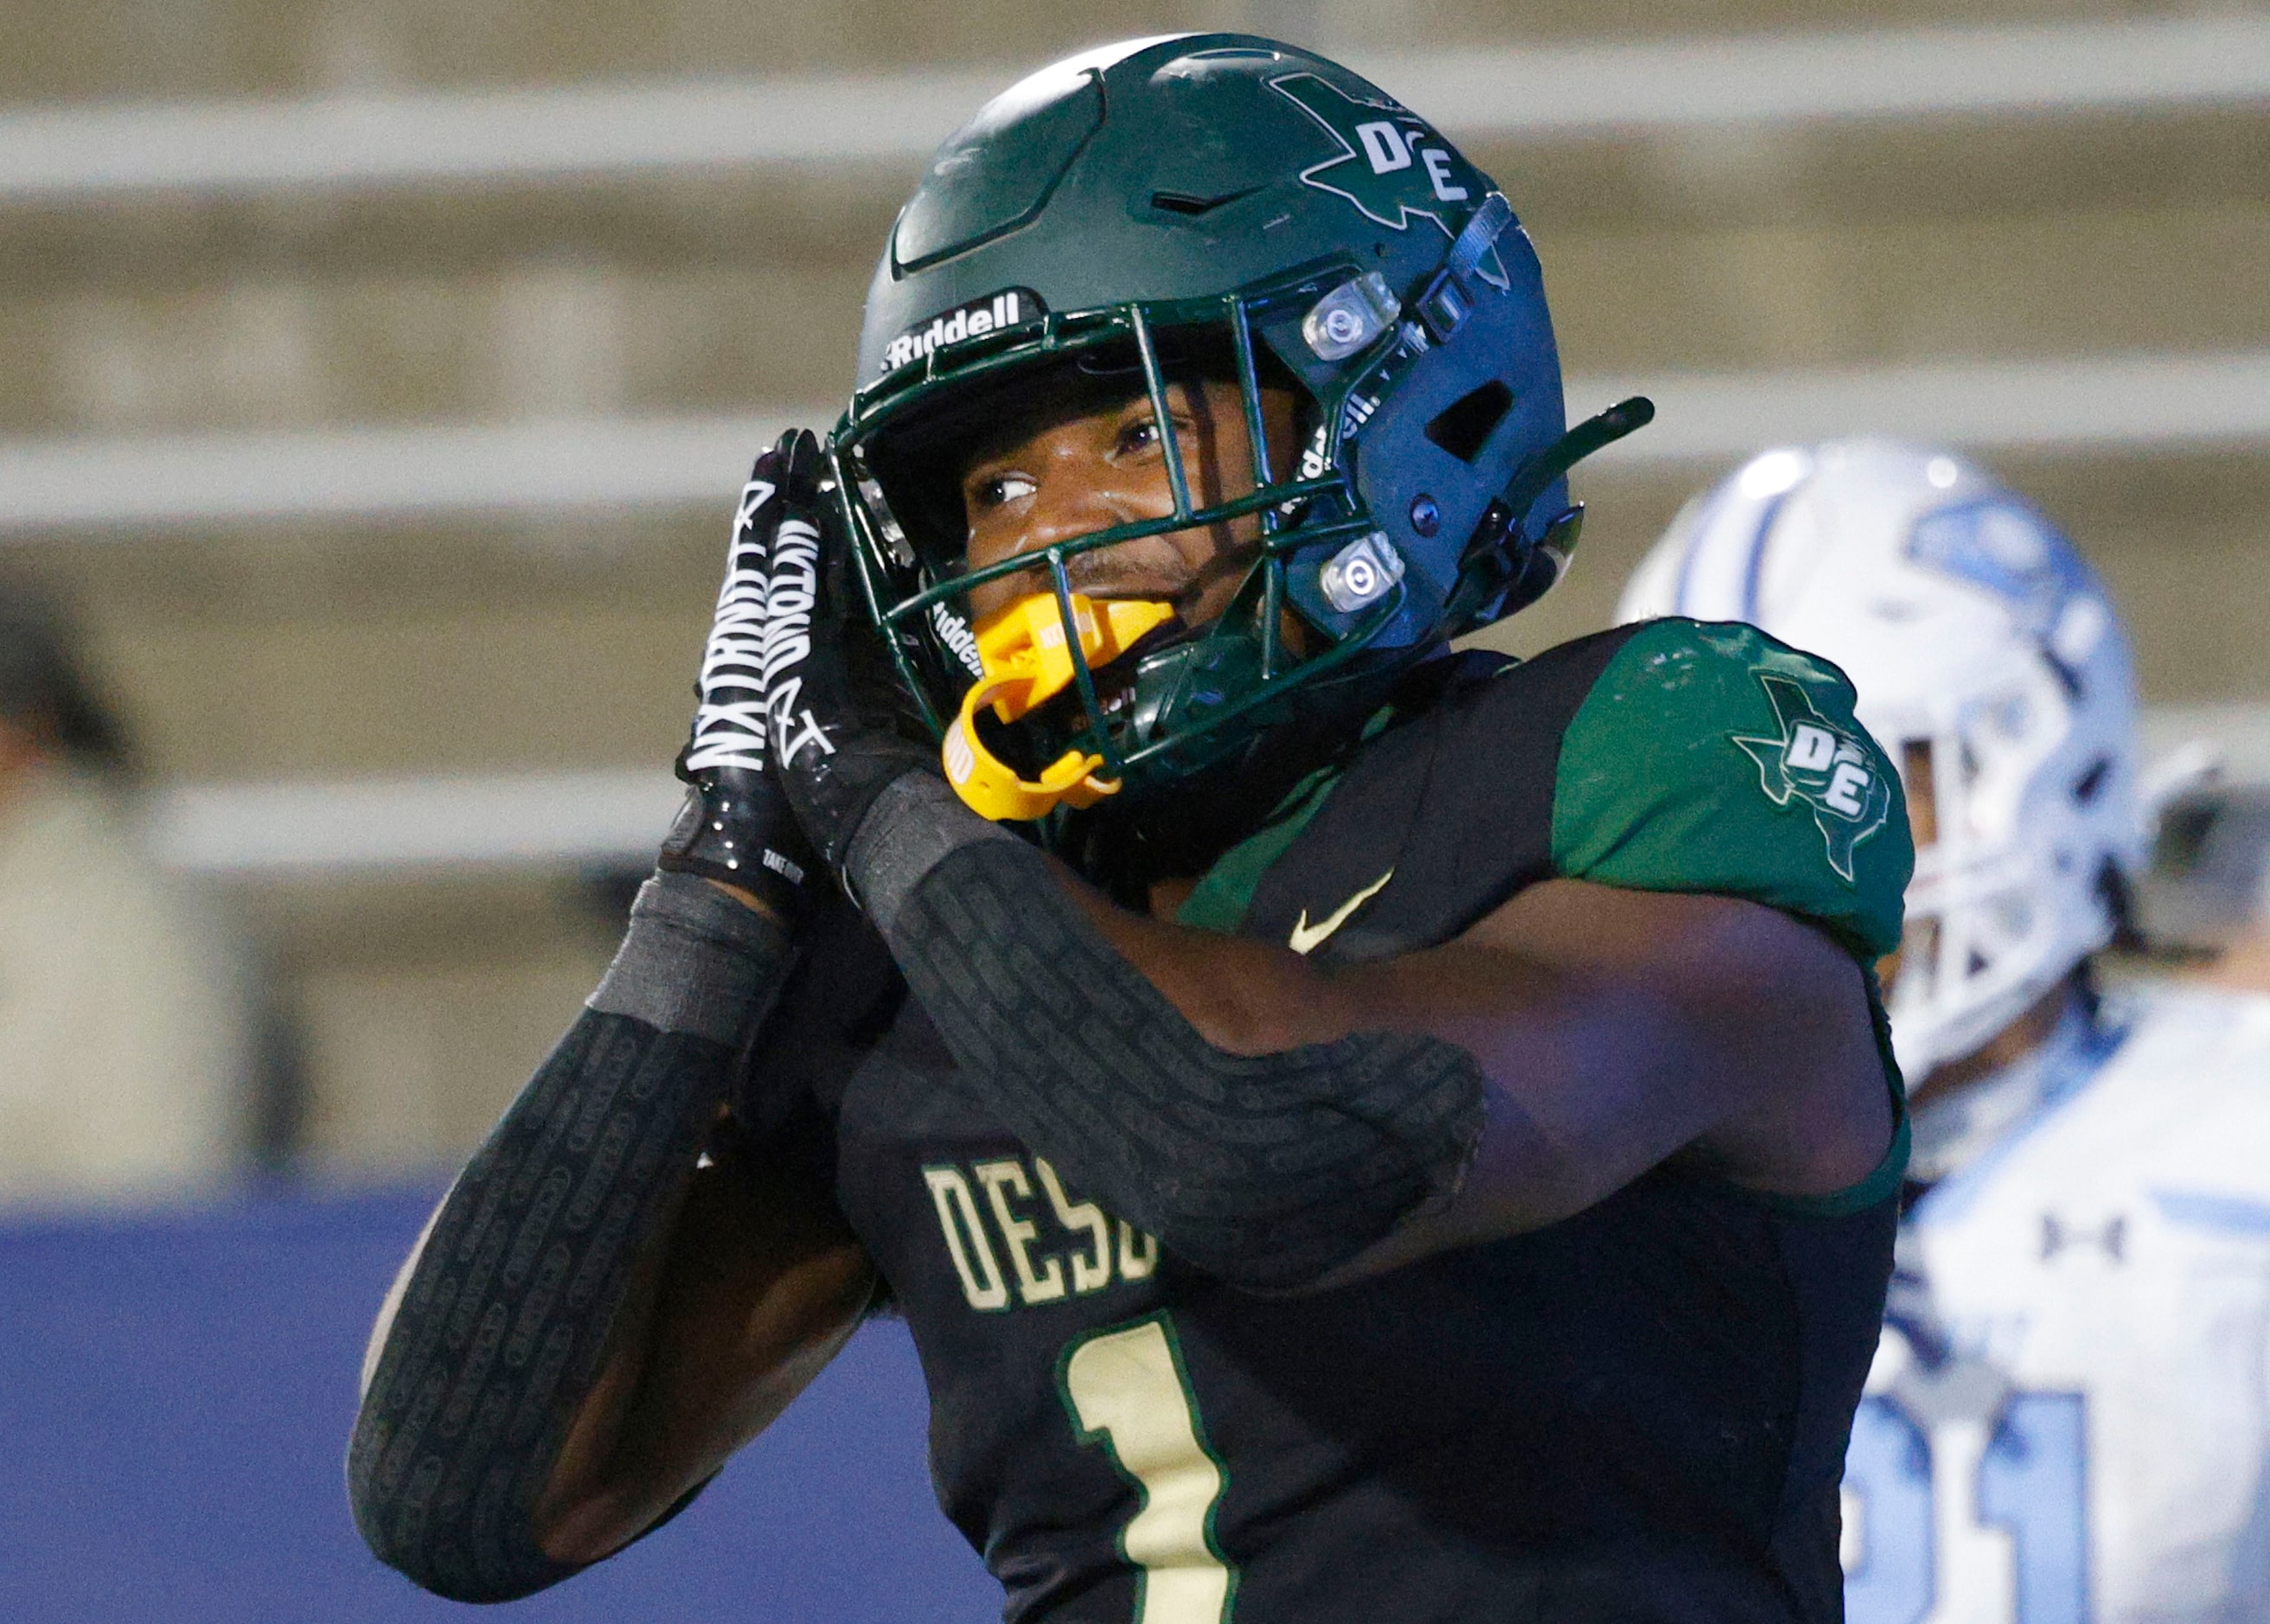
column 2111, row 1237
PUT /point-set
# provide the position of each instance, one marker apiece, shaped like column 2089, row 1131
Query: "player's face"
column 1091, row 458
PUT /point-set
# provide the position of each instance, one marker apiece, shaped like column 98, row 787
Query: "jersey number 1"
column 1127, row 1390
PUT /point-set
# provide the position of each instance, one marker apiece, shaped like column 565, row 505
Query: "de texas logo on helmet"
column 1391, row 165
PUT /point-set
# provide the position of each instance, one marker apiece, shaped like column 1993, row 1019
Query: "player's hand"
column 736, row 827
column 830, row 711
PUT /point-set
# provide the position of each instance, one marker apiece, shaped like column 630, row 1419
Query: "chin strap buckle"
column 1450, row 297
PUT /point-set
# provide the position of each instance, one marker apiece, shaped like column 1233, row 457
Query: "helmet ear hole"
column 1464, row 425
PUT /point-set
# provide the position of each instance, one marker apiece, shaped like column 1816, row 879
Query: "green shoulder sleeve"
column 1710, row 757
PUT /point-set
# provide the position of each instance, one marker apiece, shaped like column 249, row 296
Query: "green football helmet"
column 1225, row 202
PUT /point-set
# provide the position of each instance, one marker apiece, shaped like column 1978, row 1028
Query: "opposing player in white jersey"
column 2068, row 1415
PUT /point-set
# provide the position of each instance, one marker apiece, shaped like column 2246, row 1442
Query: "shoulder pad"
column 1711, row 757
column 1673, row 755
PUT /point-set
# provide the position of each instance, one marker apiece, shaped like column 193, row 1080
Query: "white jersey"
column 2069, row 1414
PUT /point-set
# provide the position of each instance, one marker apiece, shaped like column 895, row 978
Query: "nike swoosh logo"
column 1307, row 937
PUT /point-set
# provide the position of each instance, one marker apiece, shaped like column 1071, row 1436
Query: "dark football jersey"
column 1638, row 1414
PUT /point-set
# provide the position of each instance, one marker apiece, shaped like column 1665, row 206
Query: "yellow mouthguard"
column 1028, row 661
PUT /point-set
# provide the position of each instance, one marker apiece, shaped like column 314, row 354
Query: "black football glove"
column 736, row 827
column 838, row 732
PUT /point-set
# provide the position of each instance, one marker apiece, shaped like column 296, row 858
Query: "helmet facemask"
column 1999, row 807
column 1169, row 701
column 1335, row 599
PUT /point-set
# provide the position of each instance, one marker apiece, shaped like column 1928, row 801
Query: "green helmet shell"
column 1226, row 181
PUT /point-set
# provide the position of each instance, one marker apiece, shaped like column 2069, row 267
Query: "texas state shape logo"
column 1814, row 761
column 1391, row 165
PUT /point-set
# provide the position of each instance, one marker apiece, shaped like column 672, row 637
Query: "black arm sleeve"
column 504, row 1320
column 1265, row 1171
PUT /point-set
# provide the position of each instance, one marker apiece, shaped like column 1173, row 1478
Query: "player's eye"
column 1137, row 437
column 996, row 490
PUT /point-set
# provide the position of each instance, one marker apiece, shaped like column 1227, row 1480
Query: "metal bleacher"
column 382, row 376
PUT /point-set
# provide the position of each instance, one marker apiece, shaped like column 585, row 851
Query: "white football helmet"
column 1991, row 668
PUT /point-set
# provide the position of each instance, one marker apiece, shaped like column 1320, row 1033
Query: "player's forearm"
column 1522, row 1013
column 1584, row 1070
column 1602, row 1031
column 504, row 1321
column 1265, row 1168
column 1244, row 998
column 1619, row 1029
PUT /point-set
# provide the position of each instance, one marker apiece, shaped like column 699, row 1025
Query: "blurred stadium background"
column 382, row 373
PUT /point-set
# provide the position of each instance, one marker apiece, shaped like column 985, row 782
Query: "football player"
column 1356, row 1132
column 2066, row 1420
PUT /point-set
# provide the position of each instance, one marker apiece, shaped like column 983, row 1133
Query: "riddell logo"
column 1009, row 307
column 954, row 631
